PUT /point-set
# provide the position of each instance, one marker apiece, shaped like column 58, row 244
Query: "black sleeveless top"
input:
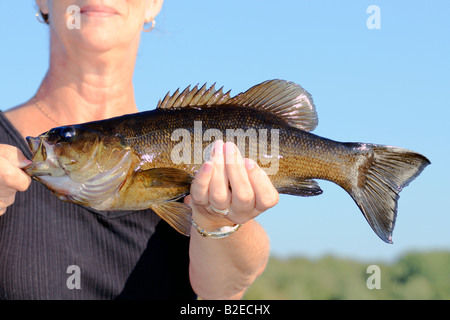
column 51, row 249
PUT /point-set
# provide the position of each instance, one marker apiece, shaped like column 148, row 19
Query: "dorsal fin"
column 194, row 98
column 285, row 99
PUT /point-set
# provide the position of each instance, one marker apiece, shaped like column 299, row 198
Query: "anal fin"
column 302, row 188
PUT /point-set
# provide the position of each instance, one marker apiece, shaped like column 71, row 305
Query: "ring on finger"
column 221, row 212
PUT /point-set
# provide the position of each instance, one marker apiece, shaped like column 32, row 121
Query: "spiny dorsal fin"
column 284, row 99
column 194, row 98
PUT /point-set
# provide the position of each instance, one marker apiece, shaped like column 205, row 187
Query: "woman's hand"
column 224, row 268
column 229, row 182
column 12, row 178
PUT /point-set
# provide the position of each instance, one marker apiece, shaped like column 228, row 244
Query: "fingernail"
column 207, row 167
column 230, row 148
column 249, row 164
column 218, row 147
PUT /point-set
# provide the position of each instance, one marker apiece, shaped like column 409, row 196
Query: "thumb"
column 14, row 156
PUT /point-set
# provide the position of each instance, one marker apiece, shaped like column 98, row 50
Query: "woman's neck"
column 85, row 86
column 74, row 101
column 80, row 86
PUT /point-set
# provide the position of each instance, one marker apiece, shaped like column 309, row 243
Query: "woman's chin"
column 100, row 38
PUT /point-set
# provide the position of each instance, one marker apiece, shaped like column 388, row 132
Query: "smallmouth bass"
column 149, row 159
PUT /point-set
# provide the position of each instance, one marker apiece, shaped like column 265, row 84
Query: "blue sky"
column 387, row 86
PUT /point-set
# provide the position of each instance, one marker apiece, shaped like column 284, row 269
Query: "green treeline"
column 413, row 276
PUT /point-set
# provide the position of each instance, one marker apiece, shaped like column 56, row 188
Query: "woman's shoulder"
column 9, row 134
column 26, row 120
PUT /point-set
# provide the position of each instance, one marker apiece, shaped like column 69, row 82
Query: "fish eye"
column 67, row 134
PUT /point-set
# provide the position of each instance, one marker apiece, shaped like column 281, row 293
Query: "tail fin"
column 380, row 175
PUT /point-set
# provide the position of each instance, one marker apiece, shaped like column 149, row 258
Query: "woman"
column 50, row 249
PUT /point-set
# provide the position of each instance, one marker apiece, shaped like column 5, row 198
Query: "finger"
column 7, row 198
column 266, row 196
column 199, row 188
column 14, row 156
column 243, row 197
column 13, row 177
column 187, row 200
column 219, row 191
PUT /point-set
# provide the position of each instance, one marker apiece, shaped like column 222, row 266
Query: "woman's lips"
column 98, row 11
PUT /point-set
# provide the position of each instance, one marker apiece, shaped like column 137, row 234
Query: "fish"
column 148, row 160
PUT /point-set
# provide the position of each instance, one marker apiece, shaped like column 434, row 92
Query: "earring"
column 38, row 15
column 151, row 28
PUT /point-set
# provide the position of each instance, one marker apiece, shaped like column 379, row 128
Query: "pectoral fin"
column 176, row 214
column 165, row 178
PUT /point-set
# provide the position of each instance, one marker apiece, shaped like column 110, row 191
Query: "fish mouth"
column 33, row 144
column 44, row 162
